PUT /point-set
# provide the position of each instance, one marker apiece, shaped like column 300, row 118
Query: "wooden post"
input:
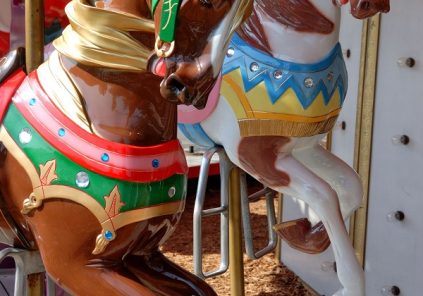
column 236, row 262
column 34, row 33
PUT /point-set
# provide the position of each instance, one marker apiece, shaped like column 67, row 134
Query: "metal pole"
column 34, row 52
column 35, row 284
column 278, row 253
column 34, row 33
column 236, row 263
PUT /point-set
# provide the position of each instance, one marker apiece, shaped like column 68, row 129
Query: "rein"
column 165, row 42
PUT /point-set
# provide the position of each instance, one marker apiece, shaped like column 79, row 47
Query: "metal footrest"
column 26, row 263
column 222, row 210
column 246, row 219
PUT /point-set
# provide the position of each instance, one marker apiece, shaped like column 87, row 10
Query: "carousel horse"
column 92, row 174
column 283, row 85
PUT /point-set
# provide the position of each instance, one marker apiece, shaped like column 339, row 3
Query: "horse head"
column 190, row 60
column 367, row 8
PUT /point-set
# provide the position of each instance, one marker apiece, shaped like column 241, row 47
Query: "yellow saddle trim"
column 288, row 107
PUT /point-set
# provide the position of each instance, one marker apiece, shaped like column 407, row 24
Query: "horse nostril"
column 175, row 85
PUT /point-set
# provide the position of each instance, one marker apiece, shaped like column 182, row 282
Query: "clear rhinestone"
column 254, row 67
column 171, row 192
column 230, row 52
column 308, row 82
column 82, row 180
column 330, row 76
column 25, row 136
column 277, row 74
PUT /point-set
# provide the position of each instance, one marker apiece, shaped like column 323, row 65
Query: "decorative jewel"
column 108, row 235
column 155, row 163
column 105, row 157
column 62, row 132
column 32, row 102
column 330, row 76
column 254, row 67
column 25, row 136
column 309, row 82
column 230, row 52
column 277, row 74
column 82, row 180
column 171, row 192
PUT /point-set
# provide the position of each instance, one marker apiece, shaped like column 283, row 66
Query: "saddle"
column 11, row 62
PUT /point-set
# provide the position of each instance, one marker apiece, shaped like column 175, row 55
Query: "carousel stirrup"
column 26, row 263
column 246, row 219
column 199, row 213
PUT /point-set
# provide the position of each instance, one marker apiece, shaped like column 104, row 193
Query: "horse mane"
column 298, row 15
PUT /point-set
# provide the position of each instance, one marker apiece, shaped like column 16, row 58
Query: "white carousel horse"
column 284, row 82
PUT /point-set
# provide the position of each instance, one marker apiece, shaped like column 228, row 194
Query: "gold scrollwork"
column 102, row 241
column 31, row 203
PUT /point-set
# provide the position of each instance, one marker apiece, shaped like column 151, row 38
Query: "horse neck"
column 124, row 107
column 301, row 31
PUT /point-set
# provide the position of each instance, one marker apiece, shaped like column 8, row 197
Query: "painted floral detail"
column 113, row 202
column 48, row 172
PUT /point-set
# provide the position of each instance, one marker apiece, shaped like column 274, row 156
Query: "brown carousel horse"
column 91, row 172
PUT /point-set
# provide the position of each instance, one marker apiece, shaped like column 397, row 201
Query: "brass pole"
column 364, row 129
column 34, row 33
column 236, row 263
column 278, row 252
column 35, row 284
column 34, row 52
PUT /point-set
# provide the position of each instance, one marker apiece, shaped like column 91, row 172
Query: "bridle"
column 165, row 42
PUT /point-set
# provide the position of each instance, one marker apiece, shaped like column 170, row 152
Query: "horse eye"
column 206, row 3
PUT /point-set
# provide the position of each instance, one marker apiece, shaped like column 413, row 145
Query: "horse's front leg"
column 307, row 186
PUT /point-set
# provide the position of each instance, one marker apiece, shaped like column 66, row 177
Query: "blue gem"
column 155, row 163
column 108, row 235
column 105, row 157
column 61, row 132
column 32, row 102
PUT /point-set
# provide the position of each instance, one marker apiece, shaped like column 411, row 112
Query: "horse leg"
column 312, row 189
column 165, row 277
column 343, row 179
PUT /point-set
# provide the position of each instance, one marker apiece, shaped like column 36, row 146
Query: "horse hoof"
column 301, row 236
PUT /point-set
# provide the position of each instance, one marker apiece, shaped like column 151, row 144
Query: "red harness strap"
column 8, row 89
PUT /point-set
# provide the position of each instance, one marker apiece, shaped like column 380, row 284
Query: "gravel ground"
column 263, row 277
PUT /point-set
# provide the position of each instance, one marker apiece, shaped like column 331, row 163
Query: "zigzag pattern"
column 328, row 75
